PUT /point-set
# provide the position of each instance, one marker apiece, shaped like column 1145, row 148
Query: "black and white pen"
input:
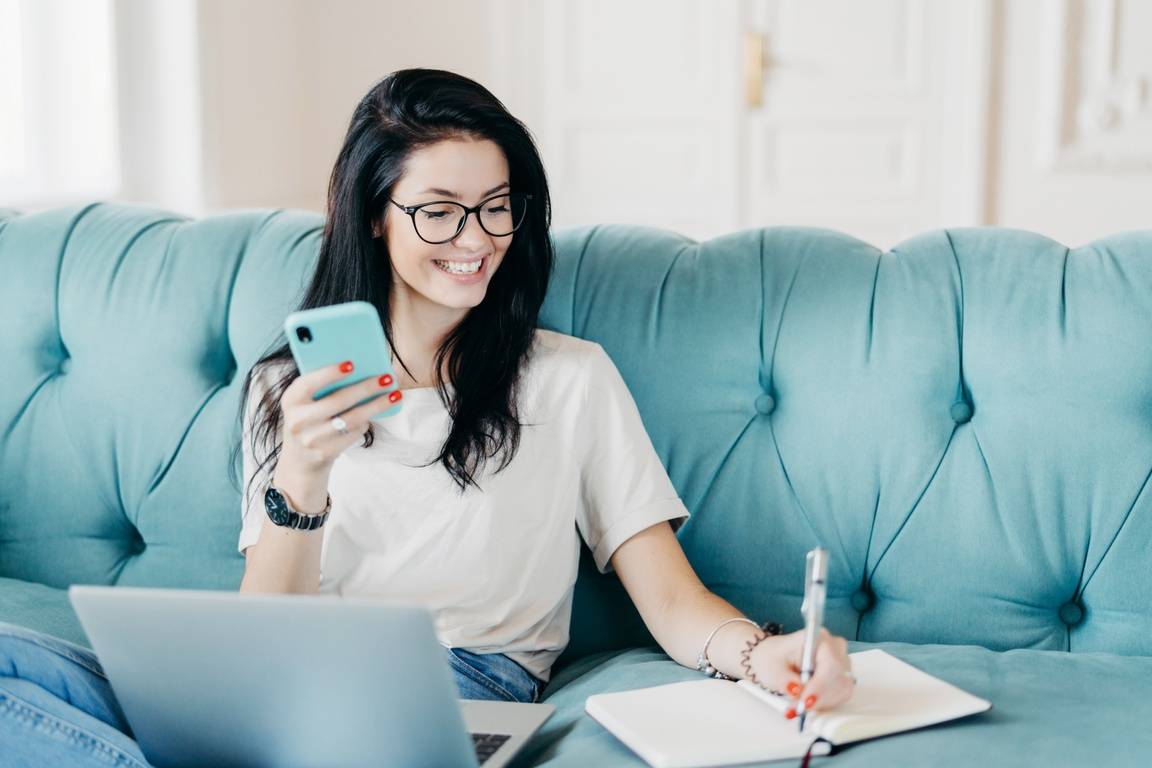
column 815, row 589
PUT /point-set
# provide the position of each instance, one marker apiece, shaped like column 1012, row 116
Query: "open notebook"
column 719, row 722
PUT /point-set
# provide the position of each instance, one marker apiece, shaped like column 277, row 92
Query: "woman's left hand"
column 775, row 662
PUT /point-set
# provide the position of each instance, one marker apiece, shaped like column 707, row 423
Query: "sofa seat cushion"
column 42, row 608
column 1049, row 708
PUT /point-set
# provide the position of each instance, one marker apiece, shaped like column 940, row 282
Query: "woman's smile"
column 462, row 271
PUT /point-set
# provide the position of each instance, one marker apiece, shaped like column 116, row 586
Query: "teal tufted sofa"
column 964, row 421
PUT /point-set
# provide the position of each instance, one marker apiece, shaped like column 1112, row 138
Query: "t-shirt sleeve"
column 252, row 490
column 624, row 486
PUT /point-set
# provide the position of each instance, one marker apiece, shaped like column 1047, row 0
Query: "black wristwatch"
column 280, row 512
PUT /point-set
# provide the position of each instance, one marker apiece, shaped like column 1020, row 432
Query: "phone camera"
column 304, row 334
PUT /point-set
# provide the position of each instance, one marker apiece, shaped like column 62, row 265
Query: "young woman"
column 506, row 443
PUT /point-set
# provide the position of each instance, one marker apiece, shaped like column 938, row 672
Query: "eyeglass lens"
column 499, row 216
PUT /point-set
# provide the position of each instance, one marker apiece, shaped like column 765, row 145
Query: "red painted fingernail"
column 385, row 380
column 794, row 689
column 790, row 714
column 346, row 366
column 395, row 396
column 809, row 702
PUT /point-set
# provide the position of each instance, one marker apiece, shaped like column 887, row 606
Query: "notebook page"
column 698, row 723
column 890, row 696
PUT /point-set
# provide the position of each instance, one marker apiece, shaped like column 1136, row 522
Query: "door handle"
column 755, row 64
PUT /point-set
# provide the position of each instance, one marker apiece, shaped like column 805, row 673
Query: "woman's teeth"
column 458, row 267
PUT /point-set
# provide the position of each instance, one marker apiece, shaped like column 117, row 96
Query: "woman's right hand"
column 311, row 443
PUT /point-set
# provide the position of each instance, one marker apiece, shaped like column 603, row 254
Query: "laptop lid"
column 223, row 678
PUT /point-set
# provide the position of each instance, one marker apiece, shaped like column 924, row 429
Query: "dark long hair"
column 483, row 355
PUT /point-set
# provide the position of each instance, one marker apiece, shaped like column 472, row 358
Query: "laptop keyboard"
column 486, row 744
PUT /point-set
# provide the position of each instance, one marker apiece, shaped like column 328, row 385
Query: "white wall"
column 1052, row 130
column 158, row 104
column 57, row 89
column 1058, row 169
column 226, row 104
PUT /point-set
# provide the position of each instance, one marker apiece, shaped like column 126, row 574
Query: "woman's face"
column 465, row 171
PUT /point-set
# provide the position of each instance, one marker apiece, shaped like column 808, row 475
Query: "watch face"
column 277, row 507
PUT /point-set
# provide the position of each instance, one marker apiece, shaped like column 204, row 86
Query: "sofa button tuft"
column 765, row 404
column 1071, row 614
column 135, row 543
column 961, row 412
column 862, row 600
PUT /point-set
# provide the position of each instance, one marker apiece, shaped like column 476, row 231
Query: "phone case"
column 340, row 332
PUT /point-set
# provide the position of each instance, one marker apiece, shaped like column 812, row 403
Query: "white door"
column 634, row 105
column 872, row 116
column 656, row 112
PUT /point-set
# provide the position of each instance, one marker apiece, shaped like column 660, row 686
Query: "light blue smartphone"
column 333, row 334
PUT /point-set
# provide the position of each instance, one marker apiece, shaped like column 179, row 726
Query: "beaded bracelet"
column 705, row 666
column 770, row 629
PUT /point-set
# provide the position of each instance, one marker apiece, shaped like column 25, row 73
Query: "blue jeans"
column 57, row 708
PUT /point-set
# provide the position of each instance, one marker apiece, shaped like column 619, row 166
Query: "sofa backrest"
column 129, row 332
column 965, row 421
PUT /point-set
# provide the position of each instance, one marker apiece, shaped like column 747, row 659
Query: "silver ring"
column 339, row 425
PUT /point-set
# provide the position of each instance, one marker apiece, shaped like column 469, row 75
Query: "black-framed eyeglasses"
column 443, row 220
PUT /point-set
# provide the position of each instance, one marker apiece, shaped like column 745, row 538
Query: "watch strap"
column 306, row 522
column 282, row 514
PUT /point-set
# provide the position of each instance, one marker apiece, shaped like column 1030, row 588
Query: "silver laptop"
column 225, row 679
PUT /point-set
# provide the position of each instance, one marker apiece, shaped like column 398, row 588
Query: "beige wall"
column 279, row 80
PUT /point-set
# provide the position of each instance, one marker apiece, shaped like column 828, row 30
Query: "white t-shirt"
column 495, row 566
